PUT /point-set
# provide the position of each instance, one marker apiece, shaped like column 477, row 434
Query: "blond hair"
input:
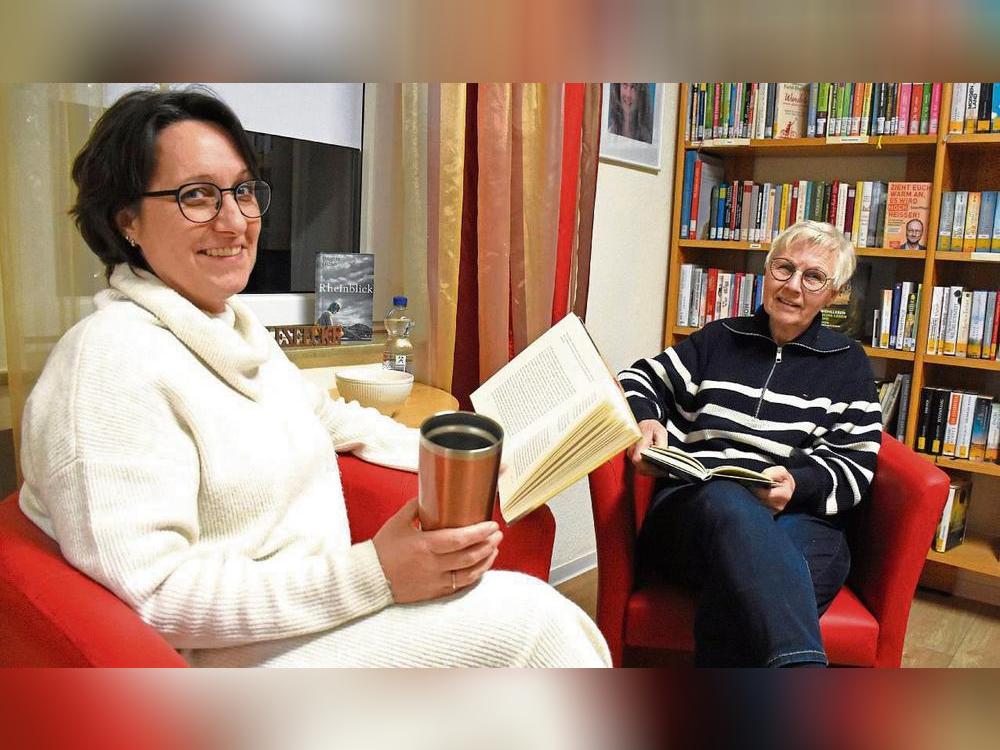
column 824, row 236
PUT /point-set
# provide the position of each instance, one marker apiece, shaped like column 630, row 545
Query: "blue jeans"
column 764, row 580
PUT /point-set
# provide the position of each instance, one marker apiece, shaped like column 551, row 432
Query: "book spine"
column 924, row 418
column 945, row 220
column 985, row 102
column 822, row 108
column 900, row 303
column 963, row 439
column 958, row 220
column 935, row 114
column 850, row 210
column 952, row 310
column 964, row 319
column 971, row 223
column 992, row 354
column 904, row 408
column 925, row 110
column 713, row 207
column 934, row 327
column 712, row 293
column 995, row 109
column 941, row 535
column 890, row 109
column 916, row 104
column 993, row 433
column 951, row 428
column 991, row 309
column 886, row 324
column 976, row 324
column 971, row 107
column 987, row 210
column 939, row 421
column 995, row 236
column 695, row 195
column 903, row 113
column 684, row 301
column 957, row 122
column 980, row 426
column 697, row 282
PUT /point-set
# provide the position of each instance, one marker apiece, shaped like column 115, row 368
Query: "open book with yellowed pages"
column 562, row 412
column 687, row 467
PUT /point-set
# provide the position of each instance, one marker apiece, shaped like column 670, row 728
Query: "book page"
column 540, row 381
column 548, row 394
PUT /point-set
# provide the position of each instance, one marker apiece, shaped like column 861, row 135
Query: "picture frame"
column 631, row 124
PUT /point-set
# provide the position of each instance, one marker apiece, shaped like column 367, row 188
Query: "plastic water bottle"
column 398, row 352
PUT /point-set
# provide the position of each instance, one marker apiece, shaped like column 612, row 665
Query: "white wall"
column 628, row 288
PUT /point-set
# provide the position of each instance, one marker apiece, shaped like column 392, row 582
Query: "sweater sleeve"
column 133, row 530
column 113, row 472
column 365, row 432
column 834, row 473
column 654, row 385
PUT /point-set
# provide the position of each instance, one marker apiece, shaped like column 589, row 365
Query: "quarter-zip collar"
column 816, row 337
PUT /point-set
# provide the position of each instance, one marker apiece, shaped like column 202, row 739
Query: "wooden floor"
column 943, row 631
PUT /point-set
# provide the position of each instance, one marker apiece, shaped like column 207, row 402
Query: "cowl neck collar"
column 233, row 344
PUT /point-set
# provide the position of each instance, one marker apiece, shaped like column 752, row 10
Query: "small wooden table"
column 423, row 401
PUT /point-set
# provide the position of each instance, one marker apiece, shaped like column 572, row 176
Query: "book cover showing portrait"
column 345, row 290
column 907, row 207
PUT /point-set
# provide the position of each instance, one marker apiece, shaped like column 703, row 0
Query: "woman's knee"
column 724, row 505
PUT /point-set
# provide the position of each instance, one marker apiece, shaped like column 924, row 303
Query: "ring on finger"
column 453, row 586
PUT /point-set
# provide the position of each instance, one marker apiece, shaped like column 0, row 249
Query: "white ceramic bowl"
column 385, row 390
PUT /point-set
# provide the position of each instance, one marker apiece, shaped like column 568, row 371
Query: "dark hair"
column 114, row 167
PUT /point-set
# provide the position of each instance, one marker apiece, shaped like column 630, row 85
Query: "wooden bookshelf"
column 948, row 162
column 977, row 554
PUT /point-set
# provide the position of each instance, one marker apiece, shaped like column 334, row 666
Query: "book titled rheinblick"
column 686, row 467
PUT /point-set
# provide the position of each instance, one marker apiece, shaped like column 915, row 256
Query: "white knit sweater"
column 178, row 459
column 182, row 461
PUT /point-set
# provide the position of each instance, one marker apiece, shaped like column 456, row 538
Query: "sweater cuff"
column 365, row 588
column 810, row 488
column 643, row 409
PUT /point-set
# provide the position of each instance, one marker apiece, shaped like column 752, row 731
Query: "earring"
column 129, row 240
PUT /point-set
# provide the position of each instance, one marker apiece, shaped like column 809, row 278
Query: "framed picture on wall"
column 631, row 123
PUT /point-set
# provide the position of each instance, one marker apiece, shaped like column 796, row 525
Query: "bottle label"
column 398, row 362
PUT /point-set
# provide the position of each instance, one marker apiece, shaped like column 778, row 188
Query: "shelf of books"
column 910, row 172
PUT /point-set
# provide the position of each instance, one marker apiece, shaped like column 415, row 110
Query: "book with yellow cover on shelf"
column 562, row 412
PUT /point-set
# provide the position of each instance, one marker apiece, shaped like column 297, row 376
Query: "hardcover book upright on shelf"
column 907, row 207
column 345, row 288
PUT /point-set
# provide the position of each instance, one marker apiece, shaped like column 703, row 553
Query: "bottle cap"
column 399, row 301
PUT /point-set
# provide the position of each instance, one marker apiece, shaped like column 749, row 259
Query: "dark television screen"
column 315, row 208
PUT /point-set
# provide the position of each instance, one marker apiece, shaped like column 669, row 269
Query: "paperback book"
column 345, row 289
column 684, row 466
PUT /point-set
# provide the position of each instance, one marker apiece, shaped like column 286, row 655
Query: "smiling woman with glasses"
column 777, row 393
column 179, row 458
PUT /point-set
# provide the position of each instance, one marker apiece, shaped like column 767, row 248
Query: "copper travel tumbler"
column 459, row 465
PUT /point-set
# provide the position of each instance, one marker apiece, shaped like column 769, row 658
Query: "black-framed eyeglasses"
column 201, row 202
column 813, row 280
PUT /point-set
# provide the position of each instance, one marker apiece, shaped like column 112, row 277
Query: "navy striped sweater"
column 728, row 394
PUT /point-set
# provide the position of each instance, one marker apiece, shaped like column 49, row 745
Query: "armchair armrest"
column 619, row 499
column 373, row 493
column 894, row 531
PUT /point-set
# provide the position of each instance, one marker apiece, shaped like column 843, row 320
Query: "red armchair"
column 866, row 622
column 52, row 615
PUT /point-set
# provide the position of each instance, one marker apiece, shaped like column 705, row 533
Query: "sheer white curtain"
column 47, row 274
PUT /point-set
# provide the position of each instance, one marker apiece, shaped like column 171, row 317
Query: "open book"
column 687, row 467
column 562, row 412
